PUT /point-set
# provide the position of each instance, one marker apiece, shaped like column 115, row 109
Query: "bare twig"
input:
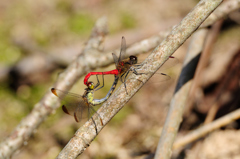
column 202, row 131
column 212, row 113
column 49, row 102
column 203, row 63
column 219, row 100
column 174, row 117
column 155, row 60
column 222, row 11
column 179, row 100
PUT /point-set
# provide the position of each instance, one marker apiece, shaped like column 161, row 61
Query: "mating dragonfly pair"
column 74, row 104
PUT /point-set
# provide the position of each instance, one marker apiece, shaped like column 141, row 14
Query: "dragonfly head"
column 90, row 85
column 133, row 59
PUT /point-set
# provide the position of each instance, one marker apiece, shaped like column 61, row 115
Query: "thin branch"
column 182, row 89
column 85, row 135
column 221, row 12
column 212, row 39
column 174, row 117
column 204, row 130
column 212, row 36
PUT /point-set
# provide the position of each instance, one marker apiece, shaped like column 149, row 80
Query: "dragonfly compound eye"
column 90, row 85
column 133, row 59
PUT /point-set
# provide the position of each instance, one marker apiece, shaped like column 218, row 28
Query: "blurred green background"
column 38, row 32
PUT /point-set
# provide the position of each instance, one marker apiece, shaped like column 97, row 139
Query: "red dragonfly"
column 75, row 104
column 123, row 66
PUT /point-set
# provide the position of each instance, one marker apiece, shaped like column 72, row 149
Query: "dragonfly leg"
column 125, row 87
column 137, row 66
column 124, row 81
column 99, row 83
column 135, row 72
column 126, row 74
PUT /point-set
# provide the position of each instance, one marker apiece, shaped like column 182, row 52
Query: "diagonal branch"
column 85, row 135
column 204, row 130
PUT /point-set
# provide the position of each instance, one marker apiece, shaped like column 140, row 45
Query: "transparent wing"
column 123, row 50
column 72, row 104
column 159, row 76
column 166, row 73
column 115, row 58
column 92, row 111
column 170, row 63
column 80, row 113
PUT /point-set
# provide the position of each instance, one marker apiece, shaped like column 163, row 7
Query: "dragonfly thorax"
column 121, row 63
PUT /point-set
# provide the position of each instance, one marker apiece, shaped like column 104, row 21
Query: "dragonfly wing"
column 72, row 104
column 80, row 111
column 92, row 111
column 123, row 50
column 115, row 58
column 160, row 77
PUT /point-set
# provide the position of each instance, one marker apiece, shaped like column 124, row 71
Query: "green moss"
column 40, row 36
column 8, row 53
column 37, row 92
column 13, row 110
column 123, row 21
column 127, row 21
column 81, row 23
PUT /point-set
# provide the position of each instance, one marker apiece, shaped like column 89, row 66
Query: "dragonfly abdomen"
column 100, row 101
